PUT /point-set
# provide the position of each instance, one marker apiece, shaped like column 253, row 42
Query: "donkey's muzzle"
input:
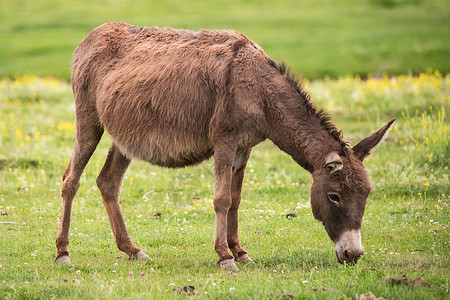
column 349, row 248
column 350, row 256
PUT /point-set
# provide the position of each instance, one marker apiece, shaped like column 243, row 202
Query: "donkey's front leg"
column 224, row 154
column 240, row 162
column 109, row 182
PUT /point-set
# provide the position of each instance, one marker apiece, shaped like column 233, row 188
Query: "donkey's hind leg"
column 109, row 182
column 239, row 253
column 87, row 138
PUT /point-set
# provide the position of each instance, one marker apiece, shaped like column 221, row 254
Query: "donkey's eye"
column 333, row 197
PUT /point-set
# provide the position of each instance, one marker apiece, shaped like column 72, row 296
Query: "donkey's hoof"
column 140, row 256
column 244, row 258
column 65, row 259
column 227, row 264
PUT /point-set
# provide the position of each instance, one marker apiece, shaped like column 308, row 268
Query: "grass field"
column 317, row 38
column 405, row 228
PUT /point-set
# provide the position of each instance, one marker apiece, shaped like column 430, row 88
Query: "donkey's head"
column 339, row 193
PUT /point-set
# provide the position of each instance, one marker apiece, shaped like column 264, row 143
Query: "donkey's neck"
column 301, row 131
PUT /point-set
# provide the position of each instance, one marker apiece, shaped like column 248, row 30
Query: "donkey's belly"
column 169, row 160
column 173, row 150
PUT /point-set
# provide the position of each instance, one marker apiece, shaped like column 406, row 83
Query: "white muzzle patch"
column 349, row 248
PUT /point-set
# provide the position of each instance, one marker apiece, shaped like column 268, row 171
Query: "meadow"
column 405, row 227
column 395, row 46
column 317, row 38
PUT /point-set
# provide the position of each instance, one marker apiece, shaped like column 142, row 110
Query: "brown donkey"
column 176, row 97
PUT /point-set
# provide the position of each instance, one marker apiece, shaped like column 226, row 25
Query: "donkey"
column 175, row 98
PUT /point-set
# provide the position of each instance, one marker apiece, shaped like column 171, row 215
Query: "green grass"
column 316, row 38
column 405, row 227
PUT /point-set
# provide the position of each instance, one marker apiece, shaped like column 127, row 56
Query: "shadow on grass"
column 304, row 259
column 22, row 163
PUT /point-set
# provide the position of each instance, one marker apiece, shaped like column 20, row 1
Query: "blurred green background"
column 317, row 38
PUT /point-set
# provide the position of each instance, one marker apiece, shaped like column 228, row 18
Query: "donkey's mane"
column 324, row 118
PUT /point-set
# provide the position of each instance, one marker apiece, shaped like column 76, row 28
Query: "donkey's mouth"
column 348, row 247
column 345, row 259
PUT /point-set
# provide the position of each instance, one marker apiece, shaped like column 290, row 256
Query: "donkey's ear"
column 364, row 148
column 333, row 162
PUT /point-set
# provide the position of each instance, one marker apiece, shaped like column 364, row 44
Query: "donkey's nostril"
column 351, row 256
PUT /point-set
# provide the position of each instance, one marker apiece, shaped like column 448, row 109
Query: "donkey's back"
column 157, row 91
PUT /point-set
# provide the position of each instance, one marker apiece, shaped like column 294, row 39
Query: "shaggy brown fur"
column 175, row 98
